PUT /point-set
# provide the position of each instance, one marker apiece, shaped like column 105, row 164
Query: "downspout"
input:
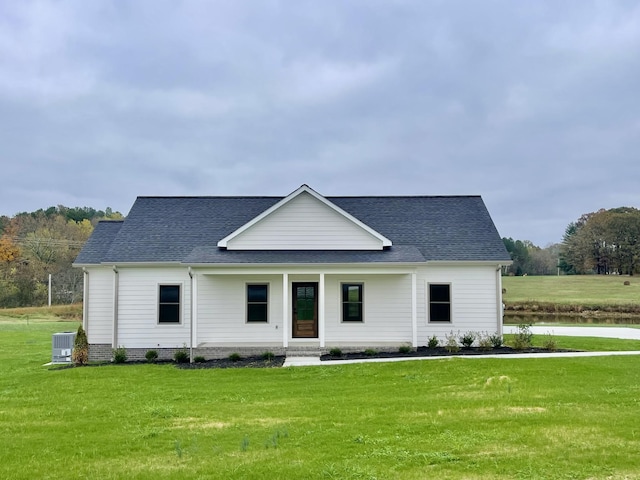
column 499, row 304
column 414, row 309
column 116, row 283
column 190, row 316
column 85, row 299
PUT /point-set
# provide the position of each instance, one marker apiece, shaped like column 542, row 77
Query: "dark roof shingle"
column 187, row 229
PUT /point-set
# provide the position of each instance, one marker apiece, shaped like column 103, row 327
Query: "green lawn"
column 605, row 292
column 450, row 418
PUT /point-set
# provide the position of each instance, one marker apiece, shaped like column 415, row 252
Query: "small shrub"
column 451, row 343
column 335, row 352
column 627, row 282
column 523, row 338
column 550, row 343
column 199, row 359
column 80, row 353
column 151, row 356
column 496, row 340
column 119, row 355
column 235, row 357
column 267, row 356
column 433, row 342
column 370, row 352
column 405, row 349
column 467, row 339
column 181, row 356
column 484, row 342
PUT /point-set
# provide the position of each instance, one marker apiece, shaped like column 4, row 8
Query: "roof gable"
column 305, row 220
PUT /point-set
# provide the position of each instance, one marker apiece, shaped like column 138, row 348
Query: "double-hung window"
column 169, row 304
column 439, row 302
column 352, row 294
column 257, row 303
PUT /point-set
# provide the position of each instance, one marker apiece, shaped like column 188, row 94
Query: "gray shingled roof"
column 187, row 230
column 99, row 242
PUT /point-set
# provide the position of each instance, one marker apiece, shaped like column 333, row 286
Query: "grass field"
column 450, row 418
column 572, row 293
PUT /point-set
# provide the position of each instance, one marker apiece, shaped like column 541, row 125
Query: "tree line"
column 606, row 242
column 34, row 245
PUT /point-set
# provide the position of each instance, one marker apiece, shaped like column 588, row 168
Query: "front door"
column 305, row 310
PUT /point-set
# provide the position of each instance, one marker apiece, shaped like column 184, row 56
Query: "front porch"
column 304, row 308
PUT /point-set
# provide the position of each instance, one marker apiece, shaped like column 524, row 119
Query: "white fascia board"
column 304, row 188
column 144, row 264
column 462, row 263
column 301, row 269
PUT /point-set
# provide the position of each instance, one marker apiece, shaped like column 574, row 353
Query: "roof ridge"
column 234, row 197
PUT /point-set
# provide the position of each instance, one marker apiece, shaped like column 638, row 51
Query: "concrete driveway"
column 603, row 332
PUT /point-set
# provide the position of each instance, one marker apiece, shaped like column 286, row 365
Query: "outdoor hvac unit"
column 62, row 347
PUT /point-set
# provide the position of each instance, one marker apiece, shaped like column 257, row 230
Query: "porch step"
column 303, row 352
column 302, row 357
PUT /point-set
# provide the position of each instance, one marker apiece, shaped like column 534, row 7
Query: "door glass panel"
column 305, row 303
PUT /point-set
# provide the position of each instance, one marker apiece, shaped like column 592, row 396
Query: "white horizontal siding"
column 100, row 305
column 221, row 306
column 305, row 223
column 138, row 308
column 222, row 314
column 387, row 310
column 474, row 306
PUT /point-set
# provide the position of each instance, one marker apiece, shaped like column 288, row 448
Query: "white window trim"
column 246, row 303
column 180, row 304
column 428, row 296
column 340, row 302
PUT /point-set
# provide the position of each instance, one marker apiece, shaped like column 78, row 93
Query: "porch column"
column 414, row 309
column 285, row 310
column 321, row 310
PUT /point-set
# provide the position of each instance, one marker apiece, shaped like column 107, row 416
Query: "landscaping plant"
column 523, row 338
column 80, row 354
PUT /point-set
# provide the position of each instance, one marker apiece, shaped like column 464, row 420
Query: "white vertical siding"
column 222, row 302
column 473, row 300
column 305, row 223
column 100, row 302
column 138, row 308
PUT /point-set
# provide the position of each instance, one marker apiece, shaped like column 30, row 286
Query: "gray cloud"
column 533, row 105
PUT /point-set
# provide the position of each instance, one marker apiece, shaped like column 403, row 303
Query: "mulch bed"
column 278, row 360
column 422, row 352
column 244, row 362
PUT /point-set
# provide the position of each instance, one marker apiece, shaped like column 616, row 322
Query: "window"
column 169, row 304
column 257, row 303
column 439, row 302
column 352, row 302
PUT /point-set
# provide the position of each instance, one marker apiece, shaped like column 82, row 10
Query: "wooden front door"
column 305, row 310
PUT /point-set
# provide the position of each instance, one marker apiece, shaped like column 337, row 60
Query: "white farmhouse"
column 249, row 274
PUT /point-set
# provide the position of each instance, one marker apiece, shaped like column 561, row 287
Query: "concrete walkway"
column 603, row 332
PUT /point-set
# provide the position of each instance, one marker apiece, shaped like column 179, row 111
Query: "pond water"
column 541, row 319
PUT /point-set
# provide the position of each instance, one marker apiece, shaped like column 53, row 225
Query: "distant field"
column 53, row 313
column 572, row 293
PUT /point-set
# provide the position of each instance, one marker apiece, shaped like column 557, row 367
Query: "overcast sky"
column 535, row 105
